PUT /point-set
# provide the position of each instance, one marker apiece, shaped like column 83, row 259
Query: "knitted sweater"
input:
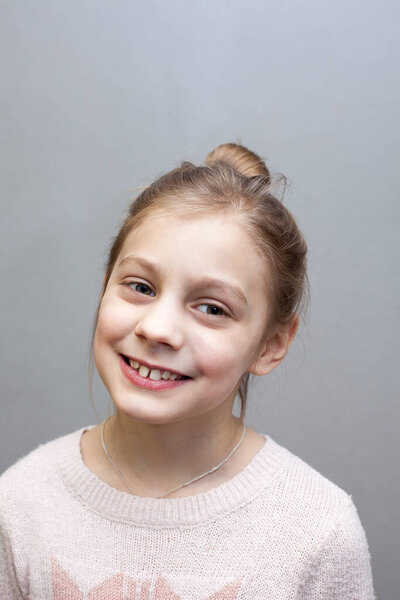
column 278, row 530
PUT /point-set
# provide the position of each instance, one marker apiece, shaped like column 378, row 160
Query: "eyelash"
column 129, row 283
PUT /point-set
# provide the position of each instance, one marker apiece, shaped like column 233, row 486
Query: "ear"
column 275, row 348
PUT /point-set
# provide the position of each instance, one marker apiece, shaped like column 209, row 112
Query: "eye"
column 224, row 314
column 142, row 285
column 139, row 283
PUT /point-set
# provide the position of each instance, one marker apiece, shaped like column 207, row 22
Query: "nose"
column 158, row 323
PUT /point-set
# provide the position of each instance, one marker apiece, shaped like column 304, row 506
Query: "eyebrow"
column 205, row 281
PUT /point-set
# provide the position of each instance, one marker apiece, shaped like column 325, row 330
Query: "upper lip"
column 151, row 366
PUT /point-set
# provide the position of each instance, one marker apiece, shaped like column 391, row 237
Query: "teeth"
column 154, row 374
column 143, row 371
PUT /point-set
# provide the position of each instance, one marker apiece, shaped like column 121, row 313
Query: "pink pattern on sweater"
column 64, row 588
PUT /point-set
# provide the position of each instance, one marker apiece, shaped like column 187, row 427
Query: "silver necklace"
column 180, row 486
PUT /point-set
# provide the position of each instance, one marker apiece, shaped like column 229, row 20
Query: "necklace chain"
column 180, row 486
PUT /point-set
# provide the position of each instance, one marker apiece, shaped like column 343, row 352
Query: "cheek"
column 224, row 355
column 113, row 323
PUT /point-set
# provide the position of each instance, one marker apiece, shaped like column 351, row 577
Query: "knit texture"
column 278, row 530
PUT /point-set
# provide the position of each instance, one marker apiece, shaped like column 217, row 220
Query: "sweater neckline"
column 109, row 502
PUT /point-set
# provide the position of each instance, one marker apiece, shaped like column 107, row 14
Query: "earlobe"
column 275, row 349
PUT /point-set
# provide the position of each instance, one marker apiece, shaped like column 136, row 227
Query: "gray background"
column 99, row 97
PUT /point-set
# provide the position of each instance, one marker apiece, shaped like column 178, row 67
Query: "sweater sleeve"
column 9, row 587
column 341, row 570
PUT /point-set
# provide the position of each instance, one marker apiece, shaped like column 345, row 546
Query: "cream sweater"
column 278, row 530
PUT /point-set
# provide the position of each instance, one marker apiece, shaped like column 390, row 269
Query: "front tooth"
column 155, row 375
column 144, row 371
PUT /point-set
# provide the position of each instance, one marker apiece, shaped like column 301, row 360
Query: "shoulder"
column 305, row 482
column 34, row 475
column 317, row 521
column 337, row 559
column 310, row 504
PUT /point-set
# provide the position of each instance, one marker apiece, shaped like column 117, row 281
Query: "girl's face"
column 160, row 307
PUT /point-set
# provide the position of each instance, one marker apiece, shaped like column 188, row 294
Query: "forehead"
column 218, row 242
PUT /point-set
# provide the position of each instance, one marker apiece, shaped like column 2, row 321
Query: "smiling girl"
column 172, row 496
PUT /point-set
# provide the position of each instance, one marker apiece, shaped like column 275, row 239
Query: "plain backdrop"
column 99, row 97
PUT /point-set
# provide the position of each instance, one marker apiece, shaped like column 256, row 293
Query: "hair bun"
column 240, row 158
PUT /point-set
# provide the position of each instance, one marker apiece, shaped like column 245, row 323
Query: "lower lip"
column 144, row 382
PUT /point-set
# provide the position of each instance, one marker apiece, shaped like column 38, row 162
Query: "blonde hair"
column 234, row 182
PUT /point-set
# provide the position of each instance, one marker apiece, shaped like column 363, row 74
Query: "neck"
column 163, row 456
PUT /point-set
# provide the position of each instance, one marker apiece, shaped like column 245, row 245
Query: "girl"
column 173, row 497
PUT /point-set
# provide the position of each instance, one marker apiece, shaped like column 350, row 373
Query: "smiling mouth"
column 153, row 374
